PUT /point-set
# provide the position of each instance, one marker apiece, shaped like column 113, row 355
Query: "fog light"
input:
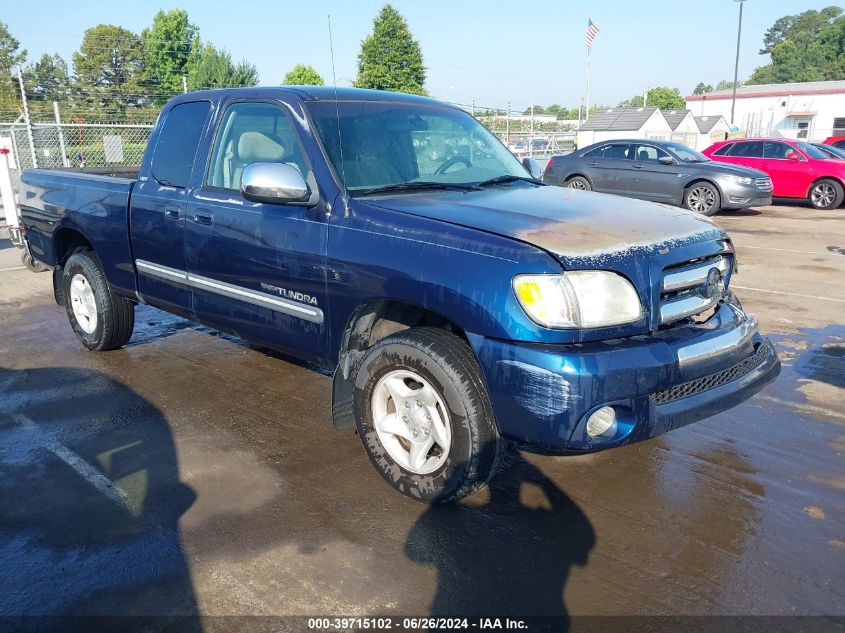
column 602, row 423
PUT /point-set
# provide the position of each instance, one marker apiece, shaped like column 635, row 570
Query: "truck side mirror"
column 666, row 160
column 273, row 183
column 532, row 167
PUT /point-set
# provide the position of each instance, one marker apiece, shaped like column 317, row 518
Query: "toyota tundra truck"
column 460, row 302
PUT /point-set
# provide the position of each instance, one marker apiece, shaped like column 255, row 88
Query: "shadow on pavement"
column 509, row 556
column 90, row 499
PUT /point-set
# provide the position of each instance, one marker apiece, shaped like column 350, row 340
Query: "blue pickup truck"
column 460, row 302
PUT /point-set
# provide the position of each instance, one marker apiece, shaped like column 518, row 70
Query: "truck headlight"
column 740, row 180
column 578, row 299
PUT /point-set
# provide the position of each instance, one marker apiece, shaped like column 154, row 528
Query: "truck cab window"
column 252, row 133
column 173, row 156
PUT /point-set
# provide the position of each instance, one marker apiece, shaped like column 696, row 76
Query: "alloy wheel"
column 701, row 199
column 83, row 303
column 823, row 195
column 411, row 421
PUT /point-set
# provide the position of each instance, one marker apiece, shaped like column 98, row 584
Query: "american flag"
column 592, row 29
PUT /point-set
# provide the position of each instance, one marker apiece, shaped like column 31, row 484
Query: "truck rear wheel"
column 101, row 319
column 424, row 417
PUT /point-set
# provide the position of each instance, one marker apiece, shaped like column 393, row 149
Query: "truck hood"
column 570, row 224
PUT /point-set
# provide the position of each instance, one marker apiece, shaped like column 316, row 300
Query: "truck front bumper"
column 544, row 394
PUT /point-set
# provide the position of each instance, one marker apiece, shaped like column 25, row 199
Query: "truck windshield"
column 382, row 144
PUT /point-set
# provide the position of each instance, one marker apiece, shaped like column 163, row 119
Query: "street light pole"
column 736, row 64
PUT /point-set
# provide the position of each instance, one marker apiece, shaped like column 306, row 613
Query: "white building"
column 606, row 125
column 711, row 129
column 813, row 110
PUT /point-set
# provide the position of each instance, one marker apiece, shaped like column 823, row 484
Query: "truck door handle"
column 638, row 166
column 594, row 163
column 202, row 217
column 172, row 213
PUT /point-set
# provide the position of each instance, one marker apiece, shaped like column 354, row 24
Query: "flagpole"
column 589, row 72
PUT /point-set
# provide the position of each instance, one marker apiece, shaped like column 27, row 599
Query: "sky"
column 493, row 53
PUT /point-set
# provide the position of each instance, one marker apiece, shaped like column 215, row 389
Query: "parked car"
column 460, row 303
column 831, row 150
column 660, row 171
column 518, row 147
column 797, row 169
column 835, row 141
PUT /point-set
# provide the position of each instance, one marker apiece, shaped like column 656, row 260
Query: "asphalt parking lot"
column 194, row 473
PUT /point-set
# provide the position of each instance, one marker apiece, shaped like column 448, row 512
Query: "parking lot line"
column 804, row 408
column 789, row 294
column 3, row 270
column 789, row 250
column 93, row 476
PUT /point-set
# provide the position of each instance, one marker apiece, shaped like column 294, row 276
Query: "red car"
column 797, row 169
column 836, row 141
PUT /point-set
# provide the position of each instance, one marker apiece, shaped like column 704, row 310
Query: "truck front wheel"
column 424, row 417
column 101, row 319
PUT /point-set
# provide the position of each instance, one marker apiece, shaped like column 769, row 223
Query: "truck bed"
column 62, row 204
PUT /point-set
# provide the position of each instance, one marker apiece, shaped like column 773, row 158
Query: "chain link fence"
column 73, row 145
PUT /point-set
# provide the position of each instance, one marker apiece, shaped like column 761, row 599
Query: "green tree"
column 108, row 67
column 48, row 79
column 702, row 88
column 809, row 46
column 727, row 85
column 666, row 98
column 660, row 97
column 214, row 69
column 790, row 26
column 168, row 47
column 11, row 56
column 303, row 75
column 390, row 57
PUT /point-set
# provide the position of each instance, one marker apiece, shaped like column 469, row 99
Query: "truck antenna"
column 339, row 135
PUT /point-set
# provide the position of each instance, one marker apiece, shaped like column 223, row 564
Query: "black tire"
column 115, row 314
column 578, row 182
column 826, row 194
column 449, row 366
column 703, row 198
column 33, row 265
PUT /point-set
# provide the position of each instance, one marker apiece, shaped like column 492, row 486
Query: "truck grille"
column 711, row 381
column 692, row 288
column 763, row 184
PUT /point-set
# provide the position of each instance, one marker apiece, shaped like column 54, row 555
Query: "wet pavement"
column 194, row 473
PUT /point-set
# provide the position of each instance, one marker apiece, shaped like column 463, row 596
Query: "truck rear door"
column 158, row 204
column 257, row 269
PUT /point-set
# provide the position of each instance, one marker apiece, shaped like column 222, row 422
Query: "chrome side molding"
column 262, row 299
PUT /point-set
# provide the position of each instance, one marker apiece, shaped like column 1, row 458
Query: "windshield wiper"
column 419, row 185
column 500, row 180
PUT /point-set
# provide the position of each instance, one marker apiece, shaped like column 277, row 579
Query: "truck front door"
column 157, row 207
column 257, row 269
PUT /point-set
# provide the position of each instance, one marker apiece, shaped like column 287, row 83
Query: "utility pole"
column 645, row 95
column 531, row 139
column 508, row 124
column 736, row 63
column 27, row 120
column 61, row 132
column 184, row 83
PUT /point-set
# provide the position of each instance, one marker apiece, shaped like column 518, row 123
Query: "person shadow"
column 90, row 500
column 508, row 555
